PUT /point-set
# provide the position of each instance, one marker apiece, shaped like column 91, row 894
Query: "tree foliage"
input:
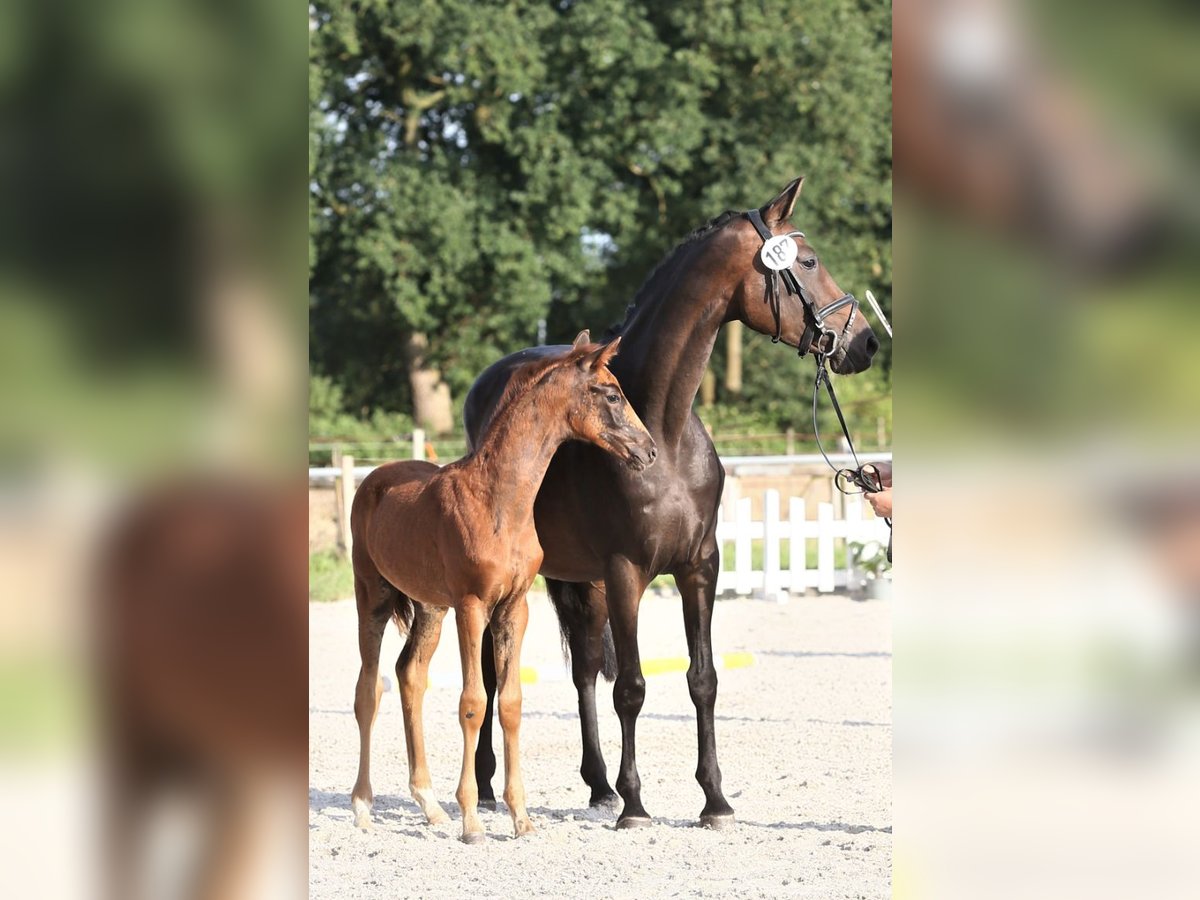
column 477, row 166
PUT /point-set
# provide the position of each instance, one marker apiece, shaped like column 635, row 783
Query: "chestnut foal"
column 462, row 536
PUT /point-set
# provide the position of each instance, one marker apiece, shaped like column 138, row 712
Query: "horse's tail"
column 402, row 607
column 570, row 601
column 609, row 668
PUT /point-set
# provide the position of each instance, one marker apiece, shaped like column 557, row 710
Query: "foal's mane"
column 711, row 226
column 528, row 376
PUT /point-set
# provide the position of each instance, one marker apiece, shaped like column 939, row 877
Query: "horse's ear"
column 582, row 340
column 607, row 352
column 780, row 209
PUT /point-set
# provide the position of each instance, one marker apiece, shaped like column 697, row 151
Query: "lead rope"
column 868, row 479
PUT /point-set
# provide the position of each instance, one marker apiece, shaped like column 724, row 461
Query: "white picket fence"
column 772, row 580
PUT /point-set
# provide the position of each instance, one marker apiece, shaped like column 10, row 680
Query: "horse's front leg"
column 698, row 585
column 508, row 630
column 471, row 617
column 624, row 583
column 412, row 676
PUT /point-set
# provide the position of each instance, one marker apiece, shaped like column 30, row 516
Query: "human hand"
column 885, row 472
column 881, row 501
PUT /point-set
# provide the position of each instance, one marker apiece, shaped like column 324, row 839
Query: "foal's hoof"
column 362, row 813
column 488, row 803
column 634, row 822
column 523, row 828
column 717, row 822
column 604, row 801
column 473, row 837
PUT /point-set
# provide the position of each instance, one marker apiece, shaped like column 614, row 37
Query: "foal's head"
column 597, row 410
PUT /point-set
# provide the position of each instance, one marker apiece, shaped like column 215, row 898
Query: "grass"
column 758, row 549
column 330, row 576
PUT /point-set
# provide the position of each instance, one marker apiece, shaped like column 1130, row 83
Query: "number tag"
column 778, row 253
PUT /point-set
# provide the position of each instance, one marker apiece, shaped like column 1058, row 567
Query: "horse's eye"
column 810, row 263
column 613, row 398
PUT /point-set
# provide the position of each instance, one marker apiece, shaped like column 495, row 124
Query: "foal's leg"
column 625, row 583
column 698, row 586
column 412, row 675
column 374, row 610
column 471, row 617
column 585, row 623
column 508, row 628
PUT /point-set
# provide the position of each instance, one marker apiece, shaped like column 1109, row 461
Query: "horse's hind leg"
column 508, row 629
column 583, row 614
column 374, row 610
column 698, row 587
column 471, row 618
column 485, row 756
column 412, row 676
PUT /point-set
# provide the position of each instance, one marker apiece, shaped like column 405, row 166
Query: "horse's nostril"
column 653, row 454
column 872, row 344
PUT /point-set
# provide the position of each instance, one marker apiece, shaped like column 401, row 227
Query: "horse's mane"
column 699, row 234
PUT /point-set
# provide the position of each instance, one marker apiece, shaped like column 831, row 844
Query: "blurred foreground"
column 153, row 715
column 1048, row 540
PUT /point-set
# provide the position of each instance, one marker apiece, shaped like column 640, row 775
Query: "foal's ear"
column 780, row 209
column 582, row 340
column 607, row 352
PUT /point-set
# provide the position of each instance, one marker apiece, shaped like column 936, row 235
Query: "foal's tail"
column 570, row 601
column 402, row 607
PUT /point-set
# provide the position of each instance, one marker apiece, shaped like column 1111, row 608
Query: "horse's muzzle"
column 640, row 457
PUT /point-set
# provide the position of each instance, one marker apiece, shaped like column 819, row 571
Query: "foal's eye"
column 613, row 398
column 810, row 263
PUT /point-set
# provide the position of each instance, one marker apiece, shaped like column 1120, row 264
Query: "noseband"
column 814, row 325
column 865, row 478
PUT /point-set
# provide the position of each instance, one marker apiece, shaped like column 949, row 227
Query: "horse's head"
column 763, row 301
column 598, row 411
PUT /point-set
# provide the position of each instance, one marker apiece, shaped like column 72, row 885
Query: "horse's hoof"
column 718, row 822
column 634, row 822
column 488, row 803
column 362, row 813
column 439, row 818
column 524, row 827
column 604, row 801
column 474, row 837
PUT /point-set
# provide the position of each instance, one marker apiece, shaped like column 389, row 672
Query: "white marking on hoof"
column 434, row 814
column 362, row 813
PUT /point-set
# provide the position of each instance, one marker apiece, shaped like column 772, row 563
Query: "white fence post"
column 347, row 500
column 773, row 588
column 418, row 443
column 798, row 549
column 742, row 547
column 825, row 577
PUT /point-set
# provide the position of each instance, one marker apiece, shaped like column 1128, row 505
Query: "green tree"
column 478, row 166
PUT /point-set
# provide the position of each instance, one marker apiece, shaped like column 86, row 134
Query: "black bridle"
column 866, row 478
column 814, row 325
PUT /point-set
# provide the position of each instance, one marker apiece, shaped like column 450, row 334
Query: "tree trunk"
column 431, row 395
column 733, row 358
column 708, row 388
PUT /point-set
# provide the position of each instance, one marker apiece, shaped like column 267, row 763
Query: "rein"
column 864, row 477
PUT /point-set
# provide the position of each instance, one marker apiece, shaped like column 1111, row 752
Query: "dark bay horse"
column 606, row 533
column 463, row 537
